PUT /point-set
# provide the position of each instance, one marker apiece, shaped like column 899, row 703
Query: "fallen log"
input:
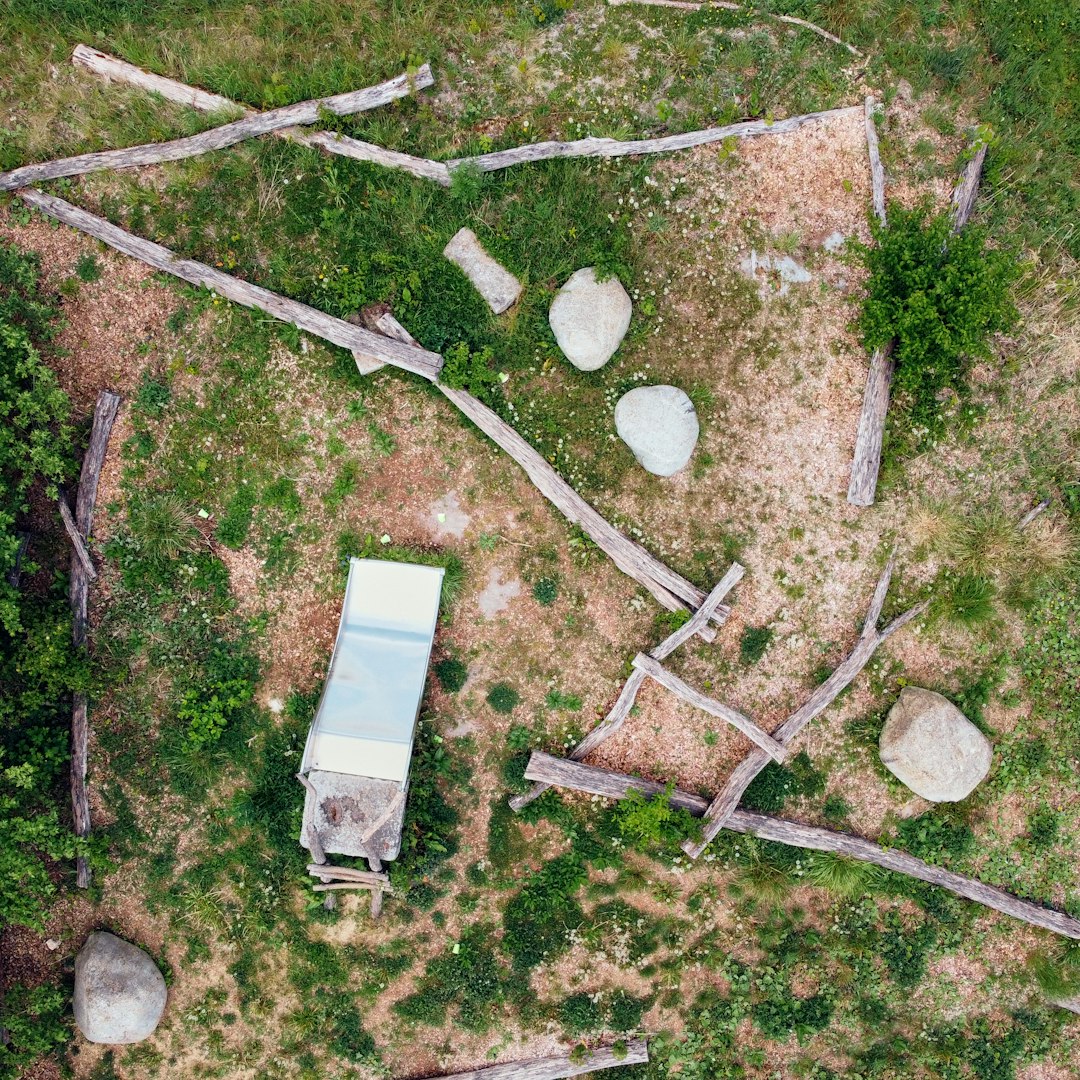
column 334, row 886
column 76, row 540
column 109, row 67
column 658, row 673
column 571, row 774
column 105, row 411
column 337, row 331
column 559, row 1067
column 672, row 590
column 610, row 148
column 303, row 112
column 877, row 170
column 701, row 617
column 725, row 802
column 963, row 196
column 349, row 873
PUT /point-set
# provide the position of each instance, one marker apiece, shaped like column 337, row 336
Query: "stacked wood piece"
column 561, row 1066
column 334, row 878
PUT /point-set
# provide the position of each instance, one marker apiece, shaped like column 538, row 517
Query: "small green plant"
column 451, row 674
column 775, row 784
column 471, row 370
column 652, row 822
column 556, row 699
column 753, row 643
column 502, row 698
column 87, row 268
column 580, row 1014
column 546, row 591
column 844, row 877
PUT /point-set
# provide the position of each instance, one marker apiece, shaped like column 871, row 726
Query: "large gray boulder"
column 589, row 318
column 119, row 992
column 934, row 749
column 660, row 425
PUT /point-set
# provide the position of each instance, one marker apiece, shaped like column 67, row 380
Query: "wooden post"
column 613, row 785
column 559, row 1067
column 105, row 411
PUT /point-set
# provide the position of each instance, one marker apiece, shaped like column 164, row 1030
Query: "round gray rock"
column 660, row 425
column 589, row 318
column 930, row 745
column 119, row 992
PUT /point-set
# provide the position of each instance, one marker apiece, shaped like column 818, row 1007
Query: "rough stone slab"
column 929, row 745
column 660, row 425
column 119, row 992
column 589, row 318
column 492, row 280
column 344, row 808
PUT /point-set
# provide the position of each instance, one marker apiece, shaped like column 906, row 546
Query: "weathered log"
column 303, row 112
column 348, row 873
column 337, row 331
column 609, row 148
column 318, row 853
column 559, row 1067
column 105, row 410
column 571, row 774
column 963, row 196
column 866, row 464
column 701, row 617
column 376, row 903
column 335, row 886
column 14, row 575
column 76, row 540
column 1032, row 514
column 657, row 672
column 877, row 170
column 110, row 67
column 725, row 802
column 672, row 590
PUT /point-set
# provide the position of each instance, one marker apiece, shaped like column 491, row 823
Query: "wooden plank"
column 656, row 671
column 336, row 331
column 105, row 410
column 109, row 67
column 701, row 617
column 615, row 785
column 866, row 462
column 559, row 1067
column 77, row 542
column 725, row 802
column 963, row 196
column 603, row 731
column 335, row 886
column 609, row 148
column 251, row 126
column 348, row 872
column 671, row 589
column 877, row 170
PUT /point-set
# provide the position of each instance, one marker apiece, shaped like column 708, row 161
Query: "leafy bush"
column 649, row 822
column 753, row 643
column 905, row 951
column 471, row 370
column 35, row 1025
column 502, row 698
column 536, row 921
column 451, row 674
column 546, row 591
column 935, row 838
column 941, row 297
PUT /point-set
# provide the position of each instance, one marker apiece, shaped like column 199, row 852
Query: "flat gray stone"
column 492, row 280
column 933, row 748
column 660, row 425
column 119, row 992
column 775, row 274
column 589, row 318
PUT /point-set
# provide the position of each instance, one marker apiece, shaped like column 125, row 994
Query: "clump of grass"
column 844, row 877
column 164, row 526
column 503, row 698
column 967, row 599
column 546, row 591
column 753, row 643
column 451, row 674
column 87, row 268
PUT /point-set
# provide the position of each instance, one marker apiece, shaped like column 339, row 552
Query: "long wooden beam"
column 700, row 619
column 658, row 673
column 610, row 148
column 303, row 112
column 337, row 331
column 105, row 410
column 561, row 1066
column 571, row 774
column 725, row 802
column 112, row 68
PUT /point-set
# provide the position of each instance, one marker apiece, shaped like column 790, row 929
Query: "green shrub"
column 935, row 837
column 87, row 268
column 35, row 1025
column 753, row 643
column 905, row 951
column 536, row 921
column 649, row 822
column 503, row 699
column 579, row 1014
column 546, row 591
column 451, row 674
column 466, row 369
column 556, row 699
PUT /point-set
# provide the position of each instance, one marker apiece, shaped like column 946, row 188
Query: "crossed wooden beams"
column 767, row 747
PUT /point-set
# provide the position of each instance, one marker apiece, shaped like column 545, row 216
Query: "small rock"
column 589, row 318
column 834, row 242
column 52, row 944
column 934, row 749
column 497, row 593
column 492, row 280
column 660, row 425
column 119, row 992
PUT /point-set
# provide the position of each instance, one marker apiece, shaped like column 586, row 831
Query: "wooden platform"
column 353, row 815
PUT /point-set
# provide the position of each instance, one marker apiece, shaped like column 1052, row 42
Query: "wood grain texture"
column 562, row 773
column 866, row 462
column 725, row 802
column 337, row 331
column 700, row 619
column 672, row 590
column 877, row 170
column 109, row 67
column 963, row 196
column 608, row 148
column 105, row 410
column 558, row 1067
column 250, row 127
column 658, row 673
column 77, row 543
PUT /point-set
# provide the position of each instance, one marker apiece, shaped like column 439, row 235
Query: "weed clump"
column 546, row 591
column 503, row 699
column 753, row 643
column 451, row 674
